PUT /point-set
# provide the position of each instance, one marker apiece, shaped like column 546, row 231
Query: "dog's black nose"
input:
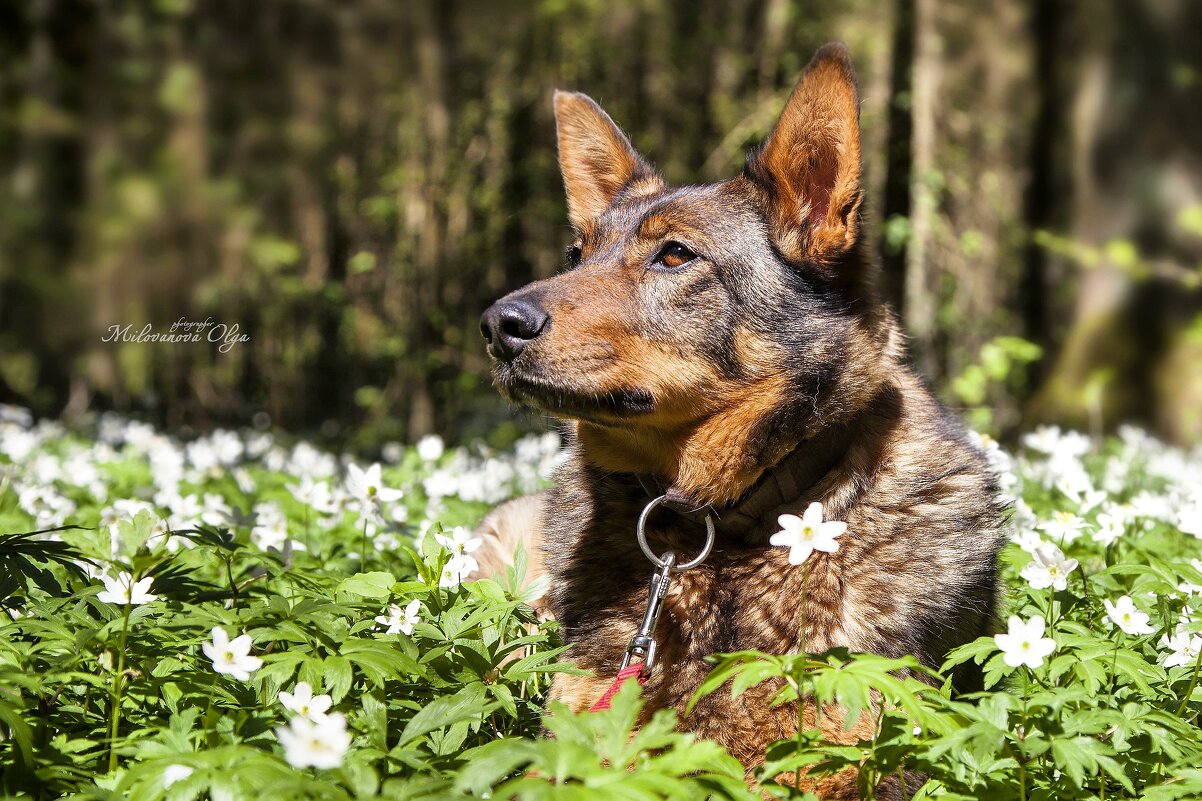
column 509, row 324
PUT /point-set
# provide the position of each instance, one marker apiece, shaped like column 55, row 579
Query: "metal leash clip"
column 642, row 644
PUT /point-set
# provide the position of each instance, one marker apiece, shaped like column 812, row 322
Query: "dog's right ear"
column 595, row 157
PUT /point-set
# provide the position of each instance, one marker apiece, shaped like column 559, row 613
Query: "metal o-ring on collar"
column 658, row 562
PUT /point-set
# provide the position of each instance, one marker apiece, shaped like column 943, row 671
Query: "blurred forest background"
column 352, row 183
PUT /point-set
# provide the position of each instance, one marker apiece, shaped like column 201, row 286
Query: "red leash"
column 633, row 671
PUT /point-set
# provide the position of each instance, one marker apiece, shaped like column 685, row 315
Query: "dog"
column 723, row 345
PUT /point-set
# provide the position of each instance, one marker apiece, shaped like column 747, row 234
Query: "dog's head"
column 700, row 332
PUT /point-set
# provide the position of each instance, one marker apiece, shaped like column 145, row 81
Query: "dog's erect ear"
column 810, row 165
column 596, row 158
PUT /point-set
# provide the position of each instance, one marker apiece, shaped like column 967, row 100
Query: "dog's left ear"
column 810, row 166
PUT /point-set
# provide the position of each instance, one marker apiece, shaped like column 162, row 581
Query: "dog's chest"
column 743, row 599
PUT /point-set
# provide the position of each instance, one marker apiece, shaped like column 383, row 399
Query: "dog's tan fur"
column 766, row 357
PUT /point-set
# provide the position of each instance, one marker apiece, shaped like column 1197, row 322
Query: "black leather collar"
column 781, row 486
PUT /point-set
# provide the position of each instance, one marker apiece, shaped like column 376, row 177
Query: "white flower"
column 231, row 656
column 401, row 620
column 201, row 455
column 123, row 590
column 215, row 512
column 175, row 773
column 1062, row 448
column 1110, row 528
column 303, row 702
column 459, row 542
column 271, row 527
column 1021, row 526
column 258, row 444
column 1027, row 540
column 1124, row 614
column 1189, row 519
column 45, row 505
column 441, row 484
column 1043, row 439
column 183, row 511
column 368, row 492
column 1063, row 526
column 320, row 743
column 458, row 570
column 1184, row 646
column 314, row 493
column 430, row 448
column 1151, row 505
column 367, row 485
column 1024, row 643
column 246, row 482
column 808, row 533
column 226, row 445
column 1048, row 568
column 17, row 444
column 1079, row 488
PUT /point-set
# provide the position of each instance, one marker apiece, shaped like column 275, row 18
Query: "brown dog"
column 723, row 344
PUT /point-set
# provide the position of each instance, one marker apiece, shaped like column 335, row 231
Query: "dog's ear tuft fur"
column 809, row 167
column 595, row 157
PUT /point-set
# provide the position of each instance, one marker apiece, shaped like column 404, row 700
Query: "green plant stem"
column 363, row 548
column 229, row 572
column 1193, row 682
column 1084, row 583
column 1022, row 762
column 805, row 580
column 308, row 537
column 1114, row 660
column 115, row 716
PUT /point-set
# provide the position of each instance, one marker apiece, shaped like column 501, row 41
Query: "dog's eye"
column 573, row 254
column 674, row 254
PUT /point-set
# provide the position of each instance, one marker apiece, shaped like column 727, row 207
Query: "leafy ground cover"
column 242, row 616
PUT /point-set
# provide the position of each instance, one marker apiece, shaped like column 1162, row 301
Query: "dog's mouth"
column 601, row 407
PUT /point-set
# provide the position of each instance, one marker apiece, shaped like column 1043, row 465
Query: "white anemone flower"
column 1063, row 526
column 401, row 621
column 1024, row 643
column 231, row 656
column 460, row 542
column 368, row 485
column 430, row 448
column 303, row 702
column 458, row 570
column 1189, row 519
column 1048, row 568
column 320, row 743
column 314, row 493
column 1183, row 648
column 808, row 533
column 271, row 527
column 1124, row 614
column 124, row 590
column 1110, row 528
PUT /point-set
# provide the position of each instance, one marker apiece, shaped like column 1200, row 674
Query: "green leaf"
column 369, row 585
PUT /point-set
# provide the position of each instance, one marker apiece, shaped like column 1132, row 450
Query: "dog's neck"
column 783, row 487
column 786, row 480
